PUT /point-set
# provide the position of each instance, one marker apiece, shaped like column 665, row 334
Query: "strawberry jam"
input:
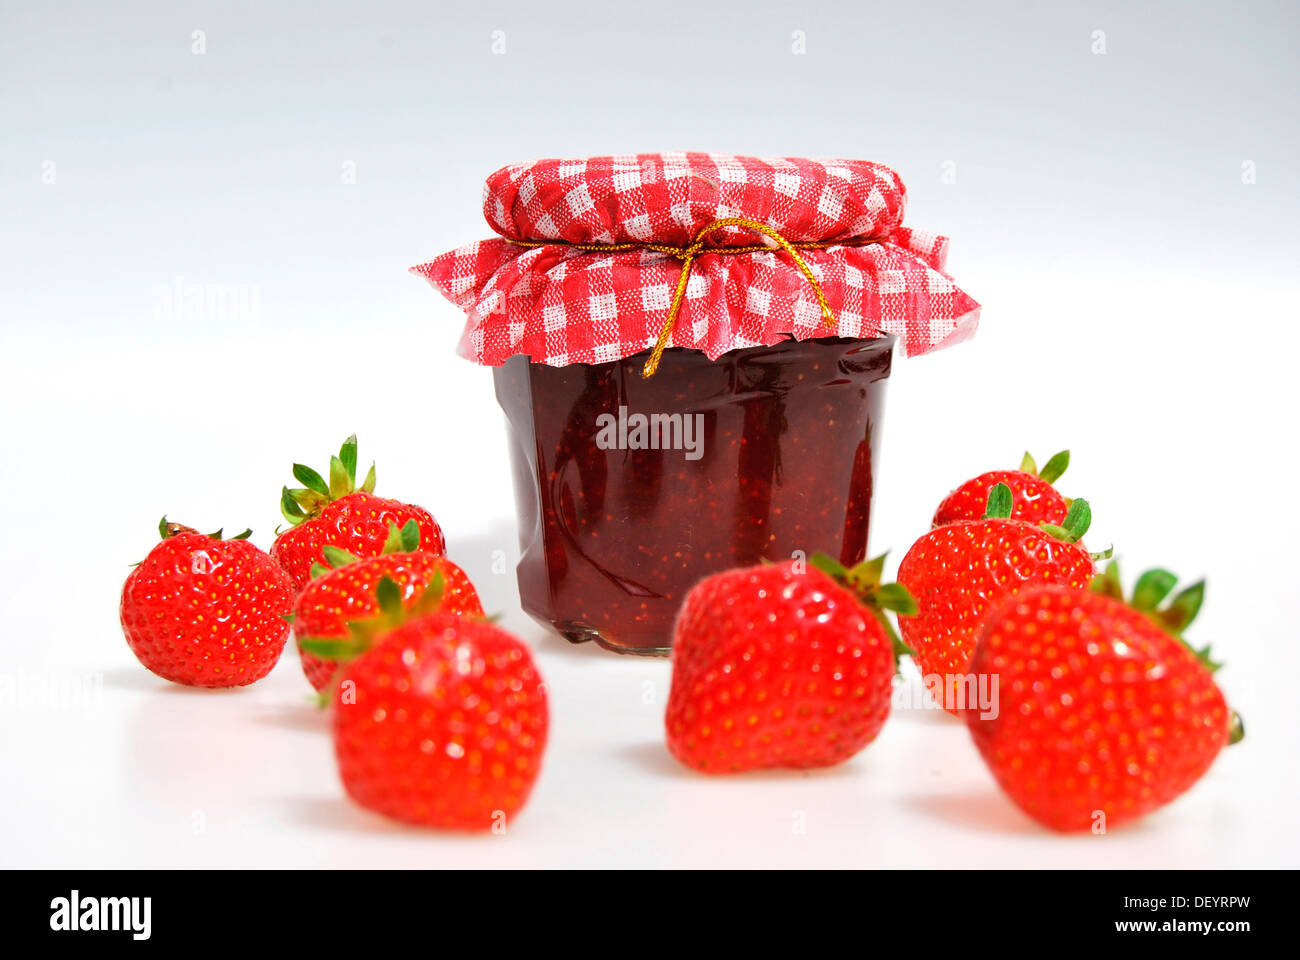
column 630, row 490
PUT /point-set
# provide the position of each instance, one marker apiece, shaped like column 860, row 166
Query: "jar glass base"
column 585, row 635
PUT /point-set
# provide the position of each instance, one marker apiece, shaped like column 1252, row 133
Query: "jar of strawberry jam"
column 709, row 464
column 691, row 352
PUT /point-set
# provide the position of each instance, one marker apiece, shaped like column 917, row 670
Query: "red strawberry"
column 958, row 572
column 338, row 513
column 781, row 666
column 441, row 722
column 1104, row 713
column 1034, row 499
column 336, row 596
column 206, row 612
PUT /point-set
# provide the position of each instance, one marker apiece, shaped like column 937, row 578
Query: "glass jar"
column 630, row 490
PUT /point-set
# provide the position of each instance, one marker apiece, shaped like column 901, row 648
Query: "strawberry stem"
column 166, row 530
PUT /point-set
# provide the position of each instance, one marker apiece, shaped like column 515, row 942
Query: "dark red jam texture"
column 613, row 538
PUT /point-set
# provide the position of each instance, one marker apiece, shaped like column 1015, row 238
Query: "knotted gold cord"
column 687, row 256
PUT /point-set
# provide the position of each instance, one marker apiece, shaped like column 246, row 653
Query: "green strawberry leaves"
column 1055, row 467
column 338, row 557
column 334, row 649
column 1151, row 588
column 1077, row 519
column 389, row 595
column 431, row 599
column 340, row 480
column 167, row 529
column 347, row 459
column 1052, row 470
column 999, row 504
column 1184, row 607
column 289, row 508
column 864, row 581
column 1150, row 592
column 361, row 633
column 394, row 610
column 1108, row 584
column 301, row 503
column 310, row 479
column 405, row 539
column 896, row 598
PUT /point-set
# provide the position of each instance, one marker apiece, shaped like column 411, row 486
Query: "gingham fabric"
column 558, row 304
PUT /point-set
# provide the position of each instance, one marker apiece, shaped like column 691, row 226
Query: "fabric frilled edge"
column 560, row 305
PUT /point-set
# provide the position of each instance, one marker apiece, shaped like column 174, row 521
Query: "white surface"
column 150, row 774
column 1139, row 307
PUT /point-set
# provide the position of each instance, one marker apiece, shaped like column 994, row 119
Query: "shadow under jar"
column 631, row 490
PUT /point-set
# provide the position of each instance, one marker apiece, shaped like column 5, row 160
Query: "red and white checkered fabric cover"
column 560, row 305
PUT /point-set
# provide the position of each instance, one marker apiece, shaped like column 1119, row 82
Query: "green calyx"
column 865, row 581
column 1052, row 469
column 403, row 540
column 1151, row 596
column 393, row 612
column 166, row 530
column 302, row 503
column 1077, row 519
column 999, row 504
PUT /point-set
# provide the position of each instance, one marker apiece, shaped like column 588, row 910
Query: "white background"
column 1140, row 307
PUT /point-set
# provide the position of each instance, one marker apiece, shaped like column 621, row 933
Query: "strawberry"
column 347, row 592
column 1034, row 499
column 337, row 513
column 1104, row 712
column 959, row 571
column 782, row 665
column 206, row 612
column 440, row 720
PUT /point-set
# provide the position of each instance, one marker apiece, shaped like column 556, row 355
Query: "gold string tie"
column 696, row 247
